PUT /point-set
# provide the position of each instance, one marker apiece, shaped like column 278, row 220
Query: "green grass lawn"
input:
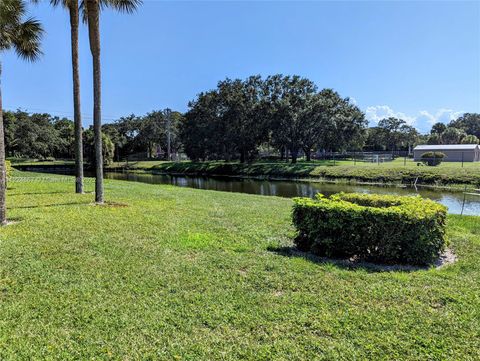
column 182, row 274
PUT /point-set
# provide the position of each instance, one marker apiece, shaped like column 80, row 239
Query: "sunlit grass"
column 194, row 275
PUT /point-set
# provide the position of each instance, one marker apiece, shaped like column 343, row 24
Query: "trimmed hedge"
column 432, row 158
column 376, row 228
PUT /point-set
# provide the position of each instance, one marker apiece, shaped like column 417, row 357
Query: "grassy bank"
column 176, row 273
column 395, row 172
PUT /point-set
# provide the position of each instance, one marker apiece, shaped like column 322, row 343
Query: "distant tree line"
column 391, row 134
column 147, row 135
column 43, row 136
column 236, row 121
column 286, row 113
column 464, row 130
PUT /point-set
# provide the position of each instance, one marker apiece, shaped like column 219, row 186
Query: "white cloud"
column 442, row 115
column 379, row 112
column 423, row 120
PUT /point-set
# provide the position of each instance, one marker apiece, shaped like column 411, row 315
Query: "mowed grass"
column 391, row 172
column 171, row 273
column 398, row 162
column 399, row 171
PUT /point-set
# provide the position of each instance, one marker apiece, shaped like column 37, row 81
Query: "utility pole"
column 168, row 114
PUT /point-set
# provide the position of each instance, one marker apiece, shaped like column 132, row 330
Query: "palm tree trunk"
column 93, row 13
column 77, row 116
column 3, row 170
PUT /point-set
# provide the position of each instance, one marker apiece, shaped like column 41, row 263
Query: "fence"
column 397, row 158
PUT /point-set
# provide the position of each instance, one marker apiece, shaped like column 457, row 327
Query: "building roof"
column 447, row 147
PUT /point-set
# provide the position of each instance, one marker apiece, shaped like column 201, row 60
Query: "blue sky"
column 416, row 60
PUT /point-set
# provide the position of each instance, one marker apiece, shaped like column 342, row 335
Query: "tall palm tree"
column 23, row 36
column 77, row 115
column 73, row 9
column 92, row 14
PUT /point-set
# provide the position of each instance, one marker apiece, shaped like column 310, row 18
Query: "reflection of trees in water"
column 453, row 200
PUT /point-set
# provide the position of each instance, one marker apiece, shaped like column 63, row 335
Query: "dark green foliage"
column 432, row 158
column 43, row 136
column 391, row 134
column 452, row 135
column 385, row 229
column 108, row 148
column 227, row 123
column 146, row 135
column 38, row 135
column 469, row 123
column 465, row 130
column 285, row 112
column 438, row 128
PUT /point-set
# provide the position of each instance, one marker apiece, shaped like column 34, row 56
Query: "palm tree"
column 73, row 9
column 24, row 37
column 92, row 10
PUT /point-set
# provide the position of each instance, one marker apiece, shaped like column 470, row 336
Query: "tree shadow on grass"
column 348, row 264
column 51, row 205
column 37, row 193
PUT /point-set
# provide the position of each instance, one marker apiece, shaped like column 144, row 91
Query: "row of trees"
column 24, row 36
column 160, row 134
column 43, row 136
column 393, row 134
column 154, row 135
column 287, row 113
column 465, row 129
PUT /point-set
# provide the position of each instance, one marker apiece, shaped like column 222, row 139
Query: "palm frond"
column 11, row 12
column 126, row 6
column 22, row 35
column 27, row 40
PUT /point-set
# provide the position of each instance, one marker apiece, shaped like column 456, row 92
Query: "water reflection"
column 453, row 200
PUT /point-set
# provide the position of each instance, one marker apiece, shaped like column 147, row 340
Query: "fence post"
column 405, row 161
column 354, row 158
column 333, row 158
column 462, row 159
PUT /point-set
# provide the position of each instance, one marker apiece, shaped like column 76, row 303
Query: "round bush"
column 378, row 228
column 432, row 158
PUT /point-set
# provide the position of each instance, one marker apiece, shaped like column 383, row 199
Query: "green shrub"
column 376, row 228
column 432, row 158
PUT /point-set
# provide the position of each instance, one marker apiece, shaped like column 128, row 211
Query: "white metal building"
column 453, row 152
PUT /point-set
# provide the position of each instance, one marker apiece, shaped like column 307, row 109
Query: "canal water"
column 290, row 188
